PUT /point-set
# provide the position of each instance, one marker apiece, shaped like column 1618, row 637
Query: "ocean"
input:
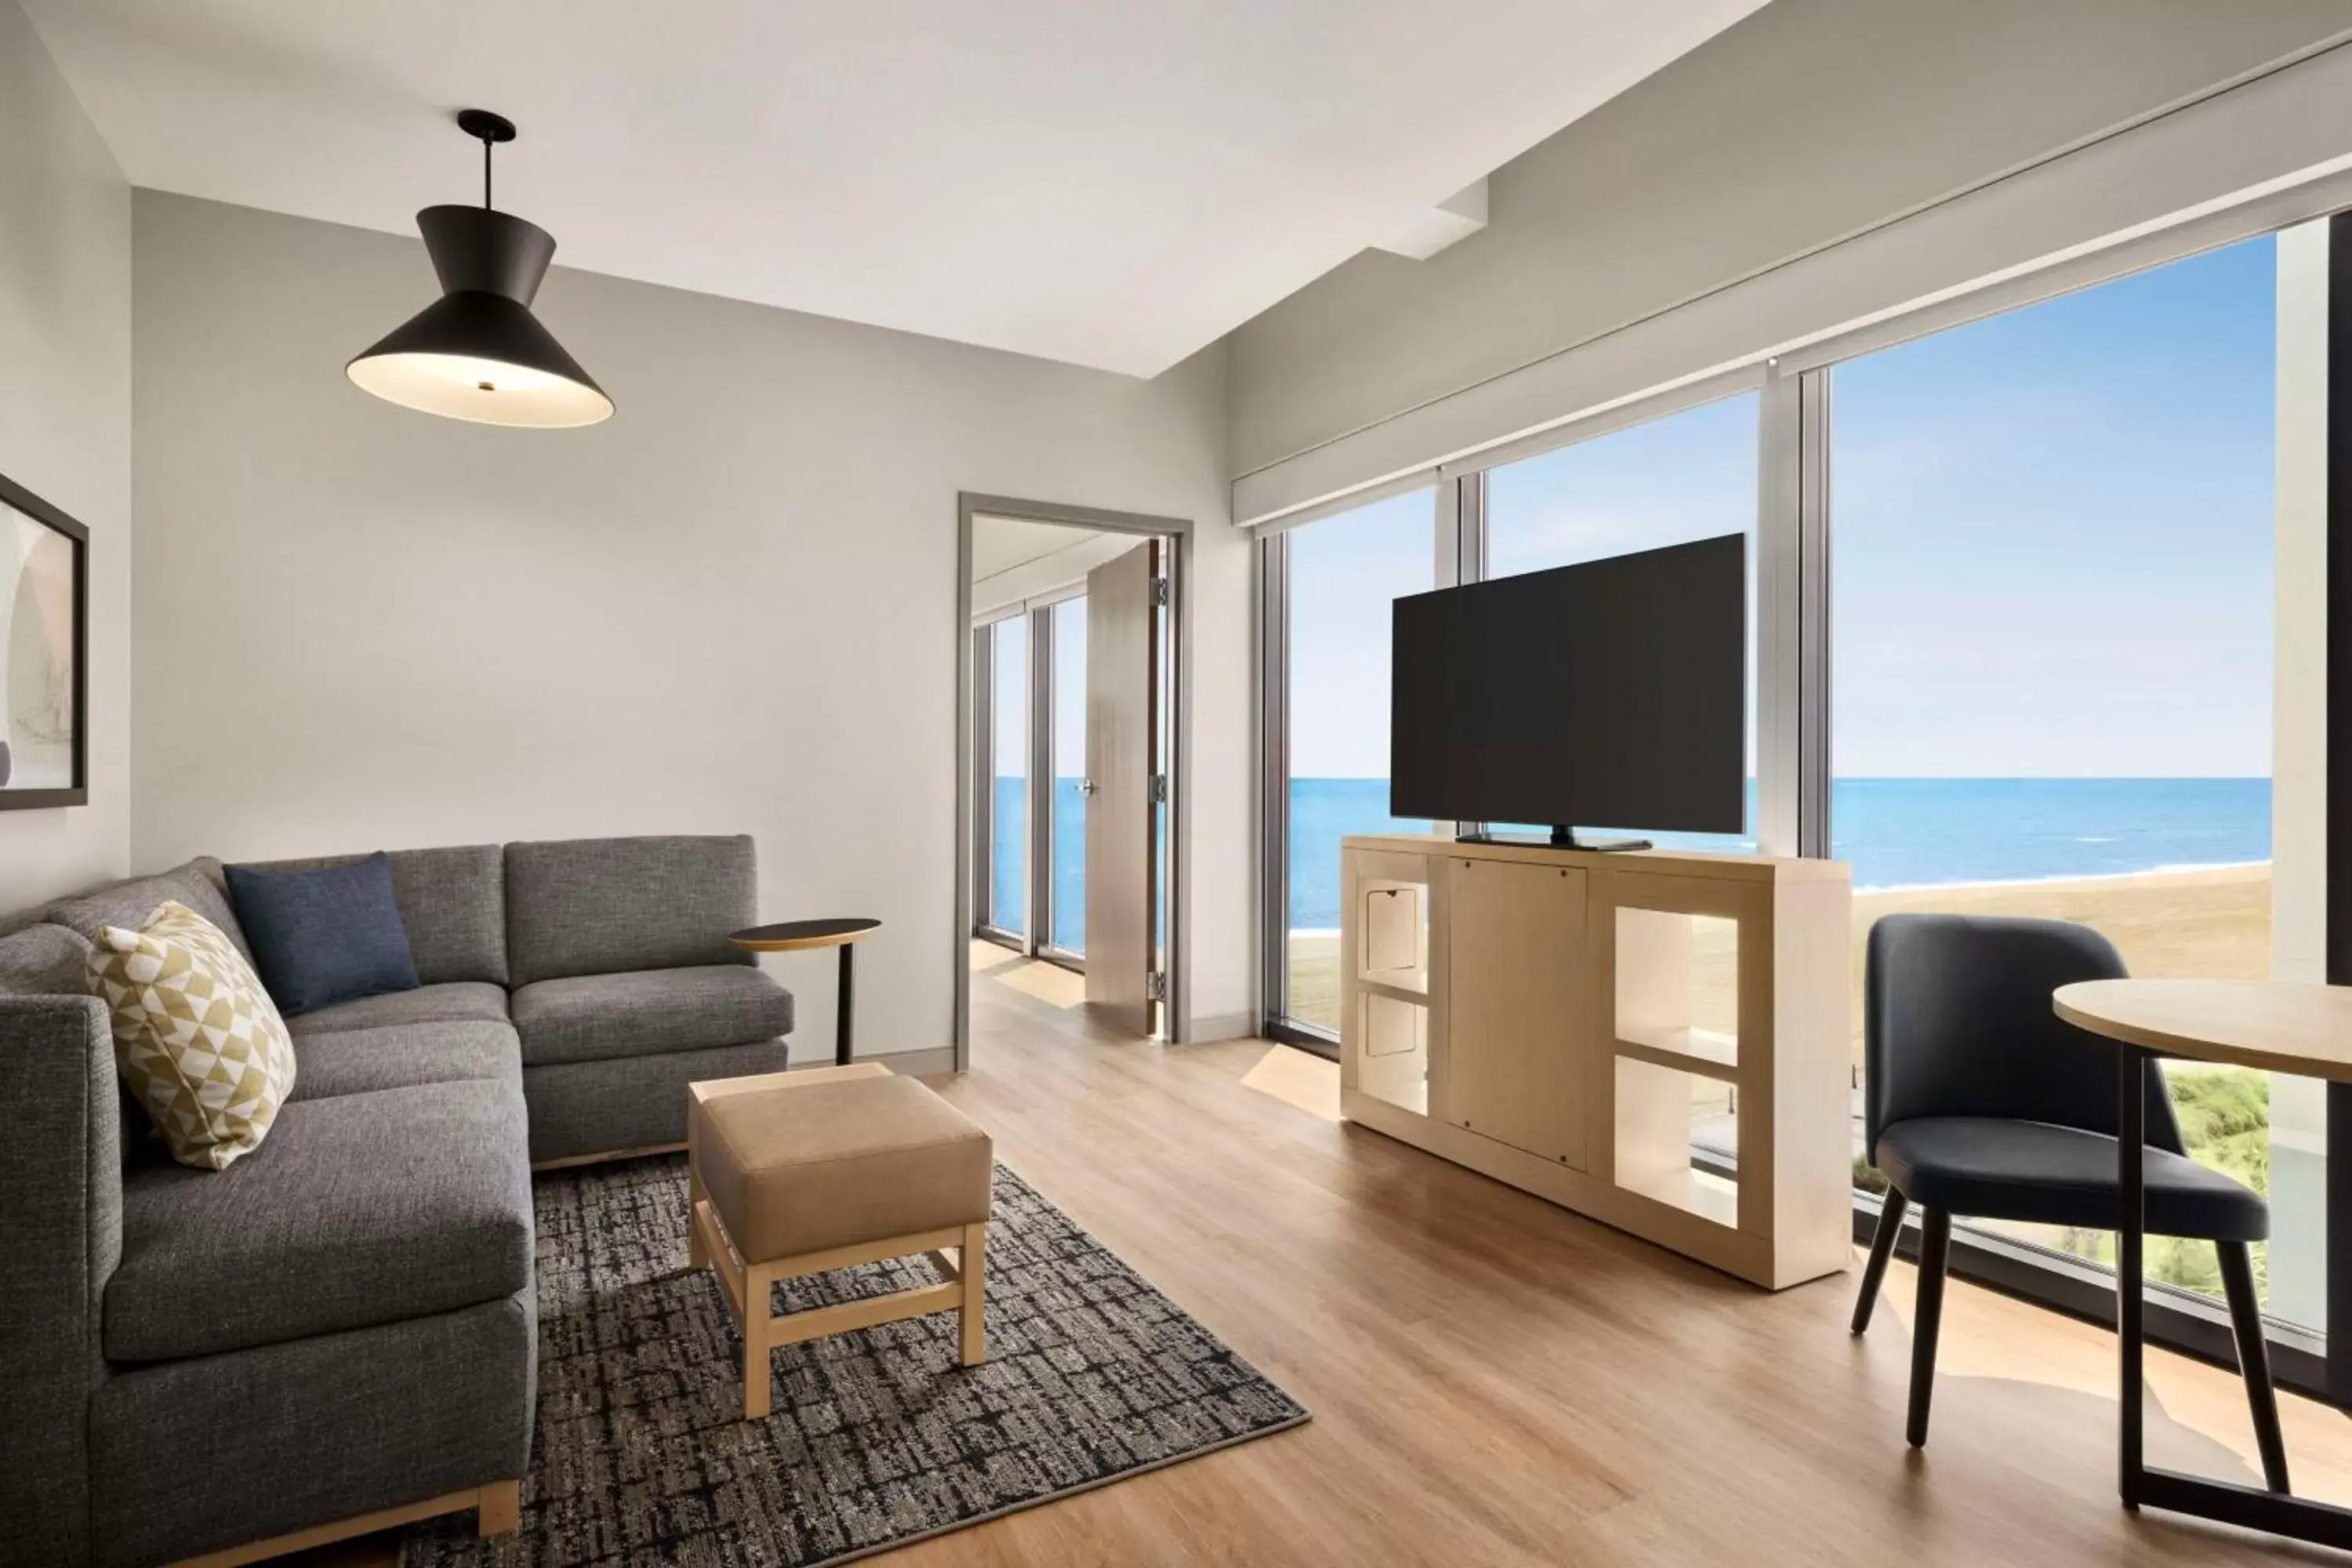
column 1896, row 833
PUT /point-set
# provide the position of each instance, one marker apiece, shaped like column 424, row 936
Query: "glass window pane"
column 1344, row 573
column 2054, row 617
column 1070, row 906
column 1686, row 477
column 1009, row 851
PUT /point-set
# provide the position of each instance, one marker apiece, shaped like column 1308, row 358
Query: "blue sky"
column 2052, row 551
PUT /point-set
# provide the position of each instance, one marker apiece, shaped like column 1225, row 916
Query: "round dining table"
column 2273, row 1025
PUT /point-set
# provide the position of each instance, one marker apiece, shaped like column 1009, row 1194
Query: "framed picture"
column 44, row 654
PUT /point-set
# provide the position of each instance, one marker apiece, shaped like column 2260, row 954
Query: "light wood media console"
column 1571, row 1022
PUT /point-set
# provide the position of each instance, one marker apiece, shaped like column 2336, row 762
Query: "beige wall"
column 65, row 424
column 1808, row 121
column 731, row 608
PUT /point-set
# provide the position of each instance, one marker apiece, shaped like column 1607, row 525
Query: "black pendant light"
column 477, row 353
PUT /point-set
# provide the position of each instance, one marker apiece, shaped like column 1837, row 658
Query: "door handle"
column 1088, row 786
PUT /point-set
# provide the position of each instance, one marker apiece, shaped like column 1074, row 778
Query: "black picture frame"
column 16, row 495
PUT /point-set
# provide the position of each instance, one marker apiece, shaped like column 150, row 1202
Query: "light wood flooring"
column 1496, row 1381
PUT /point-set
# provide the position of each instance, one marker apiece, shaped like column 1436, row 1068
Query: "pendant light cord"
column 486, row 145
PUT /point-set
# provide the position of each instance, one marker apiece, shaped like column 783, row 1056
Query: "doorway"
column 1070, row 863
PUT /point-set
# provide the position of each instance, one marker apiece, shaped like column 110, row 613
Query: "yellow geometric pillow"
column 196, row 1036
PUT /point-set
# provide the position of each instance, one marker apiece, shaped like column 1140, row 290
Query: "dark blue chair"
column 1979, row 1101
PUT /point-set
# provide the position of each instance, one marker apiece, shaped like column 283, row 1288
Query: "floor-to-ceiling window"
column 1008, row 853
column 1686, row 477
column 1343, row 575
column 2052, row 621
column 1068, row 905
column 2049, row 606
column 1674, row 480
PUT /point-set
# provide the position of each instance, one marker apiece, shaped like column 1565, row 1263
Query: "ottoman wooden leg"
column 759, row 1282
column 695, row 1255
column 971, row 1314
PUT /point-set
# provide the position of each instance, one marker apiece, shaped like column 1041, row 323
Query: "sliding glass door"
column 1032, row 891
column 1008, row 852
column 1066, row 926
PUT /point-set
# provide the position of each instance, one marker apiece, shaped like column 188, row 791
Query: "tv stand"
column 1561, row 839
column 1662, row 1042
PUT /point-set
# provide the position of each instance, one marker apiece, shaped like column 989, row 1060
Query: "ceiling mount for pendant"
column 477, row 353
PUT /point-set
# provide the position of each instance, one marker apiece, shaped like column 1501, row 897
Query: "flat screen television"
column 1612, row 693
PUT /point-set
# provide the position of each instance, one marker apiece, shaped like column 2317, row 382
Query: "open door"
column 1122, row 765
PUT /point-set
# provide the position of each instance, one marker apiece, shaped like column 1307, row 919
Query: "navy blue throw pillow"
column 325, row 935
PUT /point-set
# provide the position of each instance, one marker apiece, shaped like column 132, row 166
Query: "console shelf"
column 1658, row 1040
column 1701, row 1051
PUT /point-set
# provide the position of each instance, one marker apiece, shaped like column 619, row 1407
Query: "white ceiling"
column 1113, row 182
column 1001, row 543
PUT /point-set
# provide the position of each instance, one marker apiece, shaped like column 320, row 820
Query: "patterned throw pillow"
column 196, row 1036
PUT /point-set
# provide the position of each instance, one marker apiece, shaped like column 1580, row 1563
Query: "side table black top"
column 793, row 936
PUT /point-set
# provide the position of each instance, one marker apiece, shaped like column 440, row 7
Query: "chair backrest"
column 1957, row 1022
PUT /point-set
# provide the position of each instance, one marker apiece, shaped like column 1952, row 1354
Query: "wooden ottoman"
column 791, row 1173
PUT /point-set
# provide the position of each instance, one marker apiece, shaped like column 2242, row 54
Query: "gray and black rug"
column 879, row 1437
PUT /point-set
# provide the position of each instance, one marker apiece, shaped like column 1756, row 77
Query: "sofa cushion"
column 200, row 884
column 602, row 906
column 362, row 1209
column 199, row 1043
column 192, row 1456
column 584, row 1109
column 457, row 1001
column 360, row 1061
column 44, row 961
column 452, row 902
column 325, row 933
column 593, row 1018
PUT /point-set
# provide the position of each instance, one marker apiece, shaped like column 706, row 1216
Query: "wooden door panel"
column 1516, row 1029
column 1119, row 729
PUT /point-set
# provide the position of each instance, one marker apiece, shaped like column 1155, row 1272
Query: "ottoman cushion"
column 798, row 1169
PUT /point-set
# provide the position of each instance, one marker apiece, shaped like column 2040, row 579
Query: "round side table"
column 793, row 936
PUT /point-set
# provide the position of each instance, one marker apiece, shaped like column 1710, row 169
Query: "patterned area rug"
column 879, row 1437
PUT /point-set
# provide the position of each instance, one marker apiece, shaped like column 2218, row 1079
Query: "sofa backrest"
column 452, row 901
column 600, row 906
column 200, row 884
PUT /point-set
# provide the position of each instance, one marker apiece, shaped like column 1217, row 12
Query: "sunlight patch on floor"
column 987, row 955
column 1049, row 982
column 1298, row 1079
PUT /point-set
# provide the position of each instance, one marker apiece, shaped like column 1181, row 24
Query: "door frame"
column 970, row 505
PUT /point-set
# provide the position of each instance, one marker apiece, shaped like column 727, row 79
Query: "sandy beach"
column 2212, row 921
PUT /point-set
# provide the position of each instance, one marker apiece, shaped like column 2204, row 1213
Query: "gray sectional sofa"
column 341, row 1322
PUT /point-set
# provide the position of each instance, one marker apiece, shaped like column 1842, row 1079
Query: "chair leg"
column 1882, row 1248
column 1935, row 1249
column 2254, row 1359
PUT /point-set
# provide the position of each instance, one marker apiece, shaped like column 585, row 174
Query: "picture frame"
column 44, row 654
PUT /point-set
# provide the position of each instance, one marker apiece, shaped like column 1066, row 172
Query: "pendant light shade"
column 477, row 353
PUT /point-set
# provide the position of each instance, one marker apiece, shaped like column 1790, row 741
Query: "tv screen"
column 1611, row 693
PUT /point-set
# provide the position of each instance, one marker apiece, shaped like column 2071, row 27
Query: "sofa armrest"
column 61, row 1235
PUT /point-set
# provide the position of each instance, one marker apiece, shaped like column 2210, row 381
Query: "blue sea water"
column 1896, row 832
column 1008, row 855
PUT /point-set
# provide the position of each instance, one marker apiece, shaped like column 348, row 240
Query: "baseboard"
column 1223, row 1026
column 906, row 1064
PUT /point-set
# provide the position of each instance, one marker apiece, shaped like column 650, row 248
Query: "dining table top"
column 2277, row 1026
